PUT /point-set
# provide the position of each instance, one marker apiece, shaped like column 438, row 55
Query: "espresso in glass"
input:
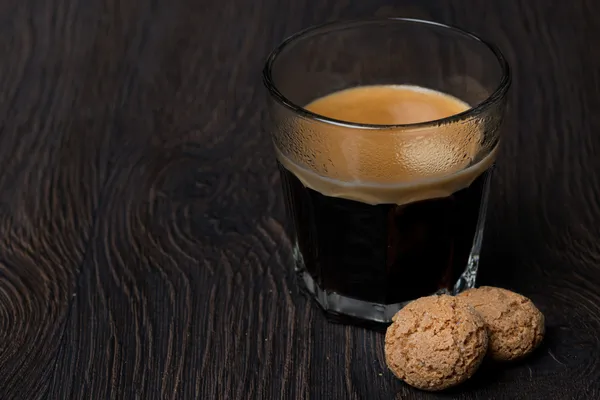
column 385, row 186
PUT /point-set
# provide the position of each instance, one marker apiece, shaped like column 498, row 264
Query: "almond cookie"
column 435, row 342
column 515, row 325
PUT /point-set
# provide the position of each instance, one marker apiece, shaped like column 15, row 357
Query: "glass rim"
column 471, row 112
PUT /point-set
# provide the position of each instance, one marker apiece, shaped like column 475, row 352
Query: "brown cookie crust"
column 435, row 342
column 515, row 325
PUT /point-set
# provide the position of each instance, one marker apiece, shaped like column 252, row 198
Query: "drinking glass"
column 366, row 256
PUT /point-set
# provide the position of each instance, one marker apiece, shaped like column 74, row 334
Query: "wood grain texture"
column 142, row 250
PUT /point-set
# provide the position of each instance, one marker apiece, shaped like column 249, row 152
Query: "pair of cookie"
column 436, row 342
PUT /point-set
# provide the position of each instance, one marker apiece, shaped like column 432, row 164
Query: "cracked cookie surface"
column 515, row 325
column 435, row 342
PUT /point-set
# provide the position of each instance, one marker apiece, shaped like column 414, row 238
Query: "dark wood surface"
column 142, row 254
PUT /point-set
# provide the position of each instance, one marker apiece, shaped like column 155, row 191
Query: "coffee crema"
column 392, row 165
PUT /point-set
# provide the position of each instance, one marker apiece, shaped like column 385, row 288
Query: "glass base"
column 343, row 309
column 336, row 304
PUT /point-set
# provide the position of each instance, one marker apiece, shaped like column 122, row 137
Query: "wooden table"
column 142, row 254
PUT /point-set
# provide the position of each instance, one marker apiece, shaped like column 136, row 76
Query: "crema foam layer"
column 393, row 165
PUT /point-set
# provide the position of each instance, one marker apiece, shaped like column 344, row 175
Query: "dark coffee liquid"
column 383, row 253
column 384, row 216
